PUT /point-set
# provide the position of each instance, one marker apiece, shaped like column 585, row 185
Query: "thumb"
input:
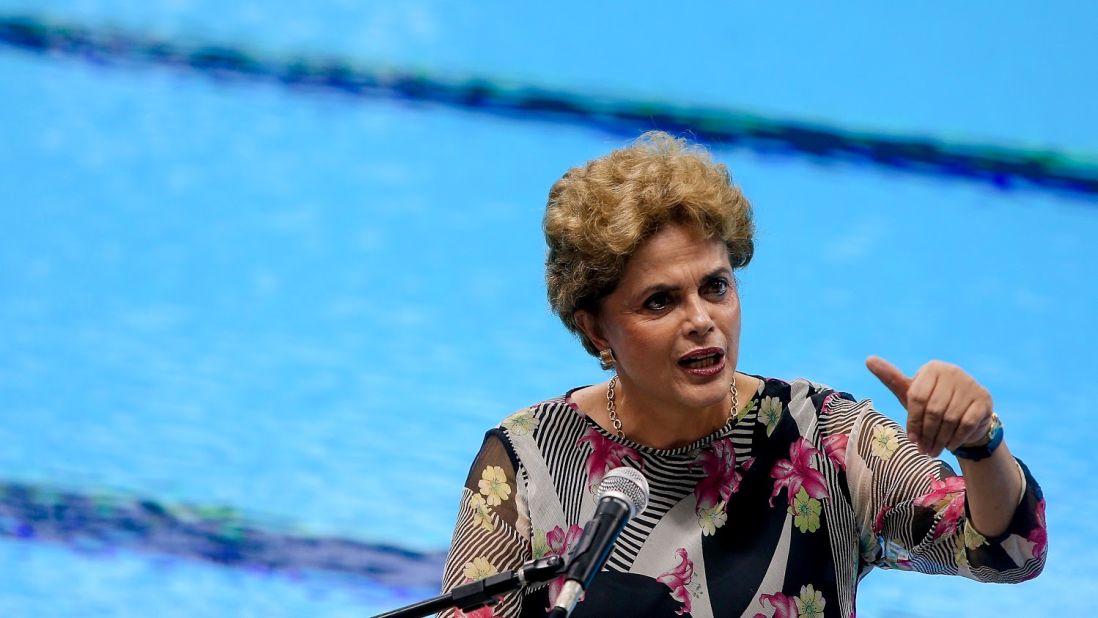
column 890, row 376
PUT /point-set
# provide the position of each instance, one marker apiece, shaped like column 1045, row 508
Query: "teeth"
column 701, row 362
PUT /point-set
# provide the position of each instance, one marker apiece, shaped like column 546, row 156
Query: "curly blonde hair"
column 598, row 214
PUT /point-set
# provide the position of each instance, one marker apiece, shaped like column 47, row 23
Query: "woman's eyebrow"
column 720, row 271
column 657, row 287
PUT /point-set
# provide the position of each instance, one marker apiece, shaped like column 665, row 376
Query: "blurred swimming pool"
column 240, row 319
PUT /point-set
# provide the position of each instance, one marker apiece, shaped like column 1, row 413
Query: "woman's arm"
column 993, row 487
column 948, row 409
column 486, row 536
column 913, row 512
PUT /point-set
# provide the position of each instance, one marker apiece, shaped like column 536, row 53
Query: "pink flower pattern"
column 797, row 472
column 605, row 456
column 678, row 578
column 722, row 479
column 879, row 520
column 784, row 607
column 559, row 541
column 835, row 447
column 488, row 611
column 1039, row 535
column 947, row 498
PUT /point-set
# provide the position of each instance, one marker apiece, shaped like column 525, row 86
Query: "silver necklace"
column 612, row 411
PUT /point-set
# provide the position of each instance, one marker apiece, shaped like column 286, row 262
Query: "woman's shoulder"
column 527, row 419
column 806, row 393
column 811, row 405
column 799, row 388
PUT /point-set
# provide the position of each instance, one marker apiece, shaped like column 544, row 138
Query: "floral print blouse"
column 778, row 514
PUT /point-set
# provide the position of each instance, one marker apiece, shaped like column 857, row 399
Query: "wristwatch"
column 983, row 449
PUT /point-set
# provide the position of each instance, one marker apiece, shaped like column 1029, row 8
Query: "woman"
column 768, row 498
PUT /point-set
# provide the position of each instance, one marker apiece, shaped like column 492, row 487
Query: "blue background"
column 308, row 308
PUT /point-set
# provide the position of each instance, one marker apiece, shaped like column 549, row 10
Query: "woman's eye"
column 657, row 302
column 718, row 287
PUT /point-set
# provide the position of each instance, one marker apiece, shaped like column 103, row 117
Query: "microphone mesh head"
column 627, row 484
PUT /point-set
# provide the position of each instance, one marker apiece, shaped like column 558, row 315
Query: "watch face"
column 996, row 422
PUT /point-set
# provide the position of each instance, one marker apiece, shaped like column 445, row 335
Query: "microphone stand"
column 485, row 591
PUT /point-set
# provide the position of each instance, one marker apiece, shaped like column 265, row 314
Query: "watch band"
column 983, row 451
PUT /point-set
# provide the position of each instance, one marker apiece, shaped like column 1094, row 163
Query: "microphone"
column 623, row 494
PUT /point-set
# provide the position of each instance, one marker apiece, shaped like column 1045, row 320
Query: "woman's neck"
column 655, row 424
column 659, row 426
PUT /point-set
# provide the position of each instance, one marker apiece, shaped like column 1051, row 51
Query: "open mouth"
column 702, row 359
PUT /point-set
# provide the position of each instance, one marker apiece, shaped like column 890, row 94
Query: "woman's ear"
column 589, row 324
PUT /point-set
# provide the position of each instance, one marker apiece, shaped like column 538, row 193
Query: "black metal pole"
column 422, row 608
column 485, row 591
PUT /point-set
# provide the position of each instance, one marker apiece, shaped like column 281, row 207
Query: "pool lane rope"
column 1000, row 166
column 101, row 523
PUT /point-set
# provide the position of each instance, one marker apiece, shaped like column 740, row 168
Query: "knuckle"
column 956, row 414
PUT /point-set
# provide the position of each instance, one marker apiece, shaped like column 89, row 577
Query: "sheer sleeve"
column 487, row 537
column 912, row 512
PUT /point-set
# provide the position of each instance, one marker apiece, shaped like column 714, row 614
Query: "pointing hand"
column 946, row 407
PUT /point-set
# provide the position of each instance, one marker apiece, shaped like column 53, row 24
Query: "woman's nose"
column 698, row 319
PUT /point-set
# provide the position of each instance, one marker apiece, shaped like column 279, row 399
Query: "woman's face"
column 673, row 322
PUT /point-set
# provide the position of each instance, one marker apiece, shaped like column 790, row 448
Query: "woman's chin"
column 701, row 396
